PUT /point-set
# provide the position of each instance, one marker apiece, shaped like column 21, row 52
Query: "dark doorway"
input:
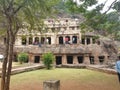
column 80, row 59
column 69, row 59
column 49, row 40
column 88, row 40
column 91, row 60
column 4, row 40
column 67, row 39
column 74, row 39
column 15, row 58
column 58, row 60
column 36, row 42
column 60, row 40
column 24, row 41
column 83, row 41
column 101, row 59
column 42, row 40
column 37, row 59
column 30, row 40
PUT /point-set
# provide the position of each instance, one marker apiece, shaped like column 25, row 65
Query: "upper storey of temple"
column 60, row 25
column 61, row 22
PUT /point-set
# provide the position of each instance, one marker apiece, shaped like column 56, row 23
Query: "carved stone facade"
column 64, row 39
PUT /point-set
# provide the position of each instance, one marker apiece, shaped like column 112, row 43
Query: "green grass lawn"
column 70, row 79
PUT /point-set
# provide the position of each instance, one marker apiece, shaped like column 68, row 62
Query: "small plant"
column 22, row 57
column 48, row 59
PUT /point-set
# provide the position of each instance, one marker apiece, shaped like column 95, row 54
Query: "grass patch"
column 83, row 75
column 81, row 79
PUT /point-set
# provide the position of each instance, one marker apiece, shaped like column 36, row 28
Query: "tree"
column 12, row 14
column 95, row 19
column 22, row 57
column 48, row 59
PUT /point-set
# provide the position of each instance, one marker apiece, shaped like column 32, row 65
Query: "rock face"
column 111, row 48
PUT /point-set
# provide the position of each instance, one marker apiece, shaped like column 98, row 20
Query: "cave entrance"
column 80, row 59
column 58, row 60
column 37, row 59
column 69, row 59
column 91, row 59
column 101, row 59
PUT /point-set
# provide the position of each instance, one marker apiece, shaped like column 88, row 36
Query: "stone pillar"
column 64, row 39
column 33, row 39
column 85, row 41
column 51, row 85
column 86, row 59
column 41, row 61
column 31, row 58
column 96, row 60
column 71, row 39
column 57, row 38
column 40, row 39
column 105, row 59
column 64, row 60
column 75, row 60
column 75, row 28
column 78, row 39
column 27, row 40
column 91, row 40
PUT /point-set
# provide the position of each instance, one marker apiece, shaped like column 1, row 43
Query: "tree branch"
column 110, row 6
column 20, row 6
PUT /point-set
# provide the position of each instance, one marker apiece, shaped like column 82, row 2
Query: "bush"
column 48, row 59
column 22, row 57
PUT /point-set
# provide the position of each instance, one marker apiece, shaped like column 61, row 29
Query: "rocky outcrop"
column 110, row 47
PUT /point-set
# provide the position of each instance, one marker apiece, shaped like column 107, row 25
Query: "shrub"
column 22, row 57
column 48, row 59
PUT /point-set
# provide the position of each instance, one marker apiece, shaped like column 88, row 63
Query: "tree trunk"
column 7, row 64
column 4, row 66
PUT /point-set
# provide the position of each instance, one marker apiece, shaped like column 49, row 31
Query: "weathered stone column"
column 96, row 60
column 85, row 41
column 41, row 61
column 75, row 60
column 33, row 39
column 105, row 59
column 78, row 39
column 71, row 39
column 51, row 85
column 91, row 40
column 57, row 40
column 64, row 60
column 86, row 59
column 31, row 58
column 27, row 40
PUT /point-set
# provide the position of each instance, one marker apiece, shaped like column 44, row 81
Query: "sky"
column 109, row 2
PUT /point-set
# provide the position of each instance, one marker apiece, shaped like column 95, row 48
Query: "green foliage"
column 30, row 11
column 22, row 57
column 117, row 6
column 94, row 19
column 96, row 37
column 48, row 59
